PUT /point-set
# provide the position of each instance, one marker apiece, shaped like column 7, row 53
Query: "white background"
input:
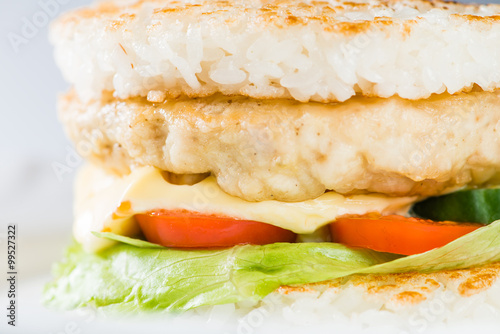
column 31, row 141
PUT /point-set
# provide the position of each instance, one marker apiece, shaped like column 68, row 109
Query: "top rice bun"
column 325, row 51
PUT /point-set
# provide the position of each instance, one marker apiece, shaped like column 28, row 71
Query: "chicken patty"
column 290, row 151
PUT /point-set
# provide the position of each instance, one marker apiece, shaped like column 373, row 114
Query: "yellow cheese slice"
column 108, row 203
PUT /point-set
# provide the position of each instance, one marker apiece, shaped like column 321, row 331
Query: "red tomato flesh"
column 184, row 229
column 397, row 234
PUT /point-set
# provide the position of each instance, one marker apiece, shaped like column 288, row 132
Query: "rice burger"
column 239, row 149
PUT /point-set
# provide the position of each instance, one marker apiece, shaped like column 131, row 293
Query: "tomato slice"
column 185, row 229
column 397, row 234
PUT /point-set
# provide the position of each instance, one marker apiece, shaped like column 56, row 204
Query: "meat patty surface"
column 291, row 151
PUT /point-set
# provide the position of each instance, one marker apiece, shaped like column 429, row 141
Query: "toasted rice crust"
column 398, row 291
column 285, row 150
column 324, row 51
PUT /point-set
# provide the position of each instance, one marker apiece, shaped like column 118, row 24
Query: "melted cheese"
column 108, row 203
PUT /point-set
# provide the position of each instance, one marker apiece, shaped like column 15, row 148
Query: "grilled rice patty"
column 290, row 151
column 323, row 51
column 396, row 292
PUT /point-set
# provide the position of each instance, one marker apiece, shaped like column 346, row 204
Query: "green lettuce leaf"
column 126, row 240
column 137, row 275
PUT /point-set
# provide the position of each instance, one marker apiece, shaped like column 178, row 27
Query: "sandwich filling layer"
column 106, row 203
